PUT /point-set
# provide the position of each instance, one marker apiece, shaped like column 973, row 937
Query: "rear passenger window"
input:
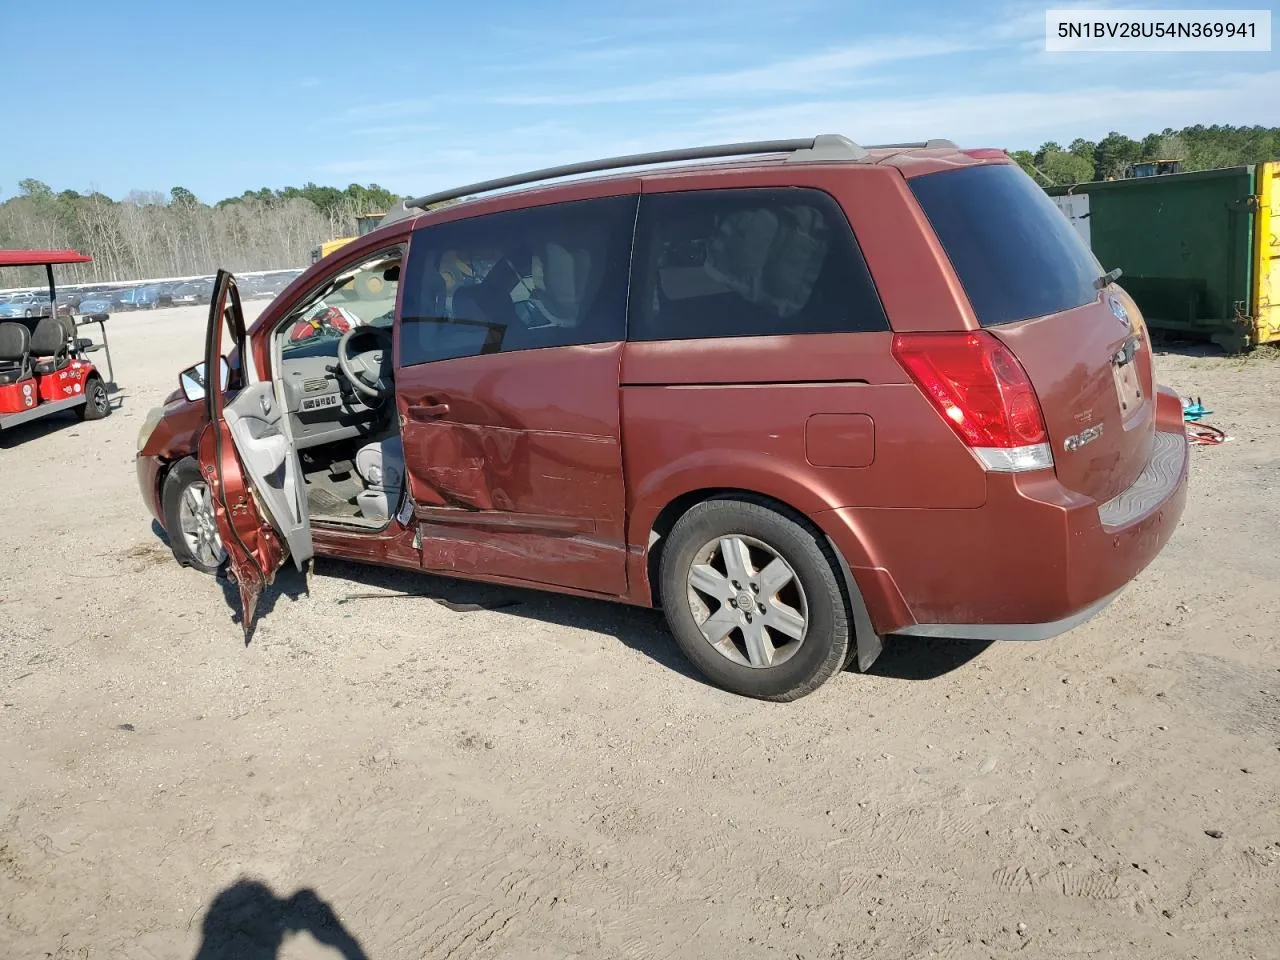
column 550, row 276
column 744, row 263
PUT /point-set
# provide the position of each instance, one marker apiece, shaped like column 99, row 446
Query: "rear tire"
column 183, row 488
column 96, row 402
column 810, row 602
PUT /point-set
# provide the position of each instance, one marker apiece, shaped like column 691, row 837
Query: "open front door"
column 247, row 457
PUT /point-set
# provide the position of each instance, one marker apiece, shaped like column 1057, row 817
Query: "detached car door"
column 247, row 457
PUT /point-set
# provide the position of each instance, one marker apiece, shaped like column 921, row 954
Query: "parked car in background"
column 153, row 296
column 274, row 283
column 69, row 300
column 25, row 306
column 41, row 302
column 130, row 298
column 251, row 288
column 96, row 305
column 12, row 307
column 197, row 291
column 108, row 293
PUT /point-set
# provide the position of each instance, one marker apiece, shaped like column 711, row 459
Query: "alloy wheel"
column 199, row 528
column 748, row 601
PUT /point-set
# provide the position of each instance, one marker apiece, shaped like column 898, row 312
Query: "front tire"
column 96, row 402
column 753, row 598
column 189, row 520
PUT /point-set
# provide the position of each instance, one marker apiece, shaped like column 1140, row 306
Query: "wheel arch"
column 868, row 643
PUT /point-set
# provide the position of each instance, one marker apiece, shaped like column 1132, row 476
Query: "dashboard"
column 321, row 404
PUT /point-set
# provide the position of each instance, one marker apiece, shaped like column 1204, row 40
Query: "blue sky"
column 419, row 96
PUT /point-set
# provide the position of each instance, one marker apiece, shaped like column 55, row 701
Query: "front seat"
column 381, row 466
column 49, row 344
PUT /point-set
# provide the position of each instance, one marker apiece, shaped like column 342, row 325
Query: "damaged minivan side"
column 800, row 401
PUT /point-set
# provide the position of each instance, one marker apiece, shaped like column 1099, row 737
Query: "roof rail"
column 936, row 143
column 824, row 147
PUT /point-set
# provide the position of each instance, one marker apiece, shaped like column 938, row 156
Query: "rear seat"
column 15, row 357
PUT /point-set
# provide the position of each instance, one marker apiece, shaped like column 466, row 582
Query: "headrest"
column 50, row 337
column 14, row 341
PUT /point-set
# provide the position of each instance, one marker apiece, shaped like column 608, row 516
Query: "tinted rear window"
column 748, row 262
column 1016, row 254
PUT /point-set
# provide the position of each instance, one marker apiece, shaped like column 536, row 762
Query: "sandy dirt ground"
column 545, row 778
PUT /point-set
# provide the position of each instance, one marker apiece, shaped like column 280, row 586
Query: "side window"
column 550, row 276
column 744, row 263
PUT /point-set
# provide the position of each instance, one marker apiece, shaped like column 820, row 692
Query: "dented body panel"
column 514, row 461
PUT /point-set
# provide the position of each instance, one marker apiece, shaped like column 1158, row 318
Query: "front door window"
column 360, row 295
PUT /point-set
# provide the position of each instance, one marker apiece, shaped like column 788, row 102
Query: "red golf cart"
column 44, row 365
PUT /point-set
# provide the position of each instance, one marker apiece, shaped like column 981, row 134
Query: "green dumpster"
column 1199, row 251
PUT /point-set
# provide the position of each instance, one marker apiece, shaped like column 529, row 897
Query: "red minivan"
column 800, row 394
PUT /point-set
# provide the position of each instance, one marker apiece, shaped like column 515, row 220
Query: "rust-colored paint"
column 392, row 546
column 175, row 436
column 254, row 551
column 731, row 414
column 548, row 468
column 1049, row 554
column 1067, row 357
column 514, row 461
column 840, row 440
column 149, row 475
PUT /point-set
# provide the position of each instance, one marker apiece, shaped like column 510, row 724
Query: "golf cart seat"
column 381, row 466
column 15, row 357
column 50, row 345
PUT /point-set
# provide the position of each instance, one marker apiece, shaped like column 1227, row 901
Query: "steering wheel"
column 368, row 371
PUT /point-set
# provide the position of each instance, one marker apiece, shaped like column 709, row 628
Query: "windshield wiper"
column 1108, row 278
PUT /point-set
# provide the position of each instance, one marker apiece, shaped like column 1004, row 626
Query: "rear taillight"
column 981, row 390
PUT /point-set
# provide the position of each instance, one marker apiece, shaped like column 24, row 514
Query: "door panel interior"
column 258, row 428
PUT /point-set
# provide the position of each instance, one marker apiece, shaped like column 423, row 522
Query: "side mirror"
column 194, row 381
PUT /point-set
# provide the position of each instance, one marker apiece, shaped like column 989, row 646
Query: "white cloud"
column 829, row 69
column 1014, row 120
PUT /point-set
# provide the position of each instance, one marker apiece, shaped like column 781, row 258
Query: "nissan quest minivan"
column 801, row 395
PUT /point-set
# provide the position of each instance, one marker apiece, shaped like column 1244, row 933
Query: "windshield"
column 363, row 295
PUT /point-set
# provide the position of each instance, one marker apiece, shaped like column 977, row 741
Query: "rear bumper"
column 1009, row 631
column 149, row 470
column 1034, row 561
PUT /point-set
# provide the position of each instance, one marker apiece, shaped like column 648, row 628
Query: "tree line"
column 175, row 234
column 1198, row 147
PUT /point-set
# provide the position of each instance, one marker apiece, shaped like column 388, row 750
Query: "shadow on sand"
column 247, row 921
column 643, row 630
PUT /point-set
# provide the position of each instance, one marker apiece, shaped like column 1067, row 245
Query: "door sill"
column 351, row 524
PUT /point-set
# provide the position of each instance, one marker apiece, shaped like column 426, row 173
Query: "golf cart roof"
column 39, row 258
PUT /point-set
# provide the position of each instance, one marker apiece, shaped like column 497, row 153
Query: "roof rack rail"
column 936, row 143
column 824, row 147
